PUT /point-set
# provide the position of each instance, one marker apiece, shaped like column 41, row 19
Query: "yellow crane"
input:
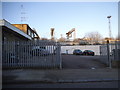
column 52, row 33
column 69, row 34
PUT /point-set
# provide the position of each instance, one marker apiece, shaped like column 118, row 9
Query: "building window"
column 29, row 32
column 32, row 35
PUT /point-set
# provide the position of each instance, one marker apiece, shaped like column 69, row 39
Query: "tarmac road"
column 113, row 84
column 81, row 62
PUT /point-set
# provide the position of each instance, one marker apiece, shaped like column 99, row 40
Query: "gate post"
column 60, row 56
column 108, row 54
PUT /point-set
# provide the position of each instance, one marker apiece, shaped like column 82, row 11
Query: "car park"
column 77, row 52
column 88, row 52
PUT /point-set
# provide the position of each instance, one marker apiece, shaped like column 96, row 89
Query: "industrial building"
column 17, row 32
column 26, row 29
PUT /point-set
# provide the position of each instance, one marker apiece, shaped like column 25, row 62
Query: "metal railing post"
column 108, row 54
column 60, row 59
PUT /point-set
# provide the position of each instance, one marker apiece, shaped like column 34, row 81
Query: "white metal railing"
column 34, row 54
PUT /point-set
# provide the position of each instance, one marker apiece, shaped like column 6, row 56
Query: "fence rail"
column 34, row 54
column 111, row 52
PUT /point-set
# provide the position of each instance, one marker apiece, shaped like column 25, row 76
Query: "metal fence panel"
column 114, row 52
column 31, row 54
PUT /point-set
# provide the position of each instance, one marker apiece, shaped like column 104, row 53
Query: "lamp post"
column 109, row 26
column 108, row 50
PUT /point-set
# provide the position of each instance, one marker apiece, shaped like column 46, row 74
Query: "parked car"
column 77, row 52
column 39, row 51
column 88, row 52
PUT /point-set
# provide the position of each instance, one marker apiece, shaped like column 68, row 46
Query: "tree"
column 76, row 40
column 94, row 37
column 45, row 39
column 118, row 37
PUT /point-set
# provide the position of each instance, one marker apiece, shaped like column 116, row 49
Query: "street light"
column 108, row 50
column 109, row 26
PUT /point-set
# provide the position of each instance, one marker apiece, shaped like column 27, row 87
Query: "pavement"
column 59, row 76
